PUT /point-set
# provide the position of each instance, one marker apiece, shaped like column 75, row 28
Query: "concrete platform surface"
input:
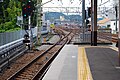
column 85, row 63
column 103, row 63
column 64, row 67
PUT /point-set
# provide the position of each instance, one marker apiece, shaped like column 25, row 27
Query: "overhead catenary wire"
column 104, row 3
column 110, row 10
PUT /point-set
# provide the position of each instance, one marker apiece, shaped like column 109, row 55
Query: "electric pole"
column 39, row 17
column 116, row 18
column 119, row 36
column 94, row 22
column 83, row 18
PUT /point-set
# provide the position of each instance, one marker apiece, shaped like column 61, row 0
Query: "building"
column 105, row 23
column 113, row 25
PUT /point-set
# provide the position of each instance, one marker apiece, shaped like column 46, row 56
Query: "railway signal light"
column 27, row 8
column 85, row 14
column 116, row 10
column 41, row 14
column 26, row 39
column 87, row 21
column 30, row 7
column 89, row 11
column 24, row 12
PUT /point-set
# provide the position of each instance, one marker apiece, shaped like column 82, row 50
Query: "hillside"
column 56, row 15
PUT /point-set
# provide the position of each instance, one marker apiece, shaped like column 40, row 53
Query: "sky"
column 74, row 3
column 64, row 3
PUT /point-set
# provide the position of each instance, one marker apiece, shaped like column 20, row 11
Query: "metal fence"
column 8, row 37
column 86, row 37
column 103, row 36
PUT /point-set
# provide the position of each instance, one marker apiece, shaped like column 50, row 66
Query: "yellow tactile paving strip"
column 84, row 72
column 114, row 48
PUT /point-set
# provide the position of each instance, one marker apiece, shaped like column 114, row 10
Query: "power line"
column 104, row 3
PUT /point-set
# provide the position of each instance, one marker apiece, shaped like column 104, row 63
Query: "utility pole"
column 92, row 23
column 119, row 36
column 116, row 18
column 83, row 18
column 94, row 34
column 38, row 20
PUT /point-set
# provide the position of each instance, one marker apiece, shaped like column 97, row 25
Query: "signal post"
column 27, row 9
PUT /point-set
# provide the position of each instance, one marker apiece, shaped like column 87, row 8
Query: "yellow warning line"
column 84, row 72
column 114, row 48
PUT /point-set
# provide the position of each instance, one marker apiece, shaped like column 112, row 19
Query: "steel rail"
column 40, row 74
column 30, row 63
column 10, row 52
column 46, row 65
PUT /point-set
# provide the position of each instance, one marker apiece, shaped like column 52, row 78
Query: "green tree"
column 9, row 10
column 9, row 14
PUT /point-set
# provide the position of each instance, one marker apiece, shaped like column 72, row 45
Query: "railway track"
column 34, row 70
column 24, row 59
column 109, row 37
column 114, row 38
column 10, row 52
